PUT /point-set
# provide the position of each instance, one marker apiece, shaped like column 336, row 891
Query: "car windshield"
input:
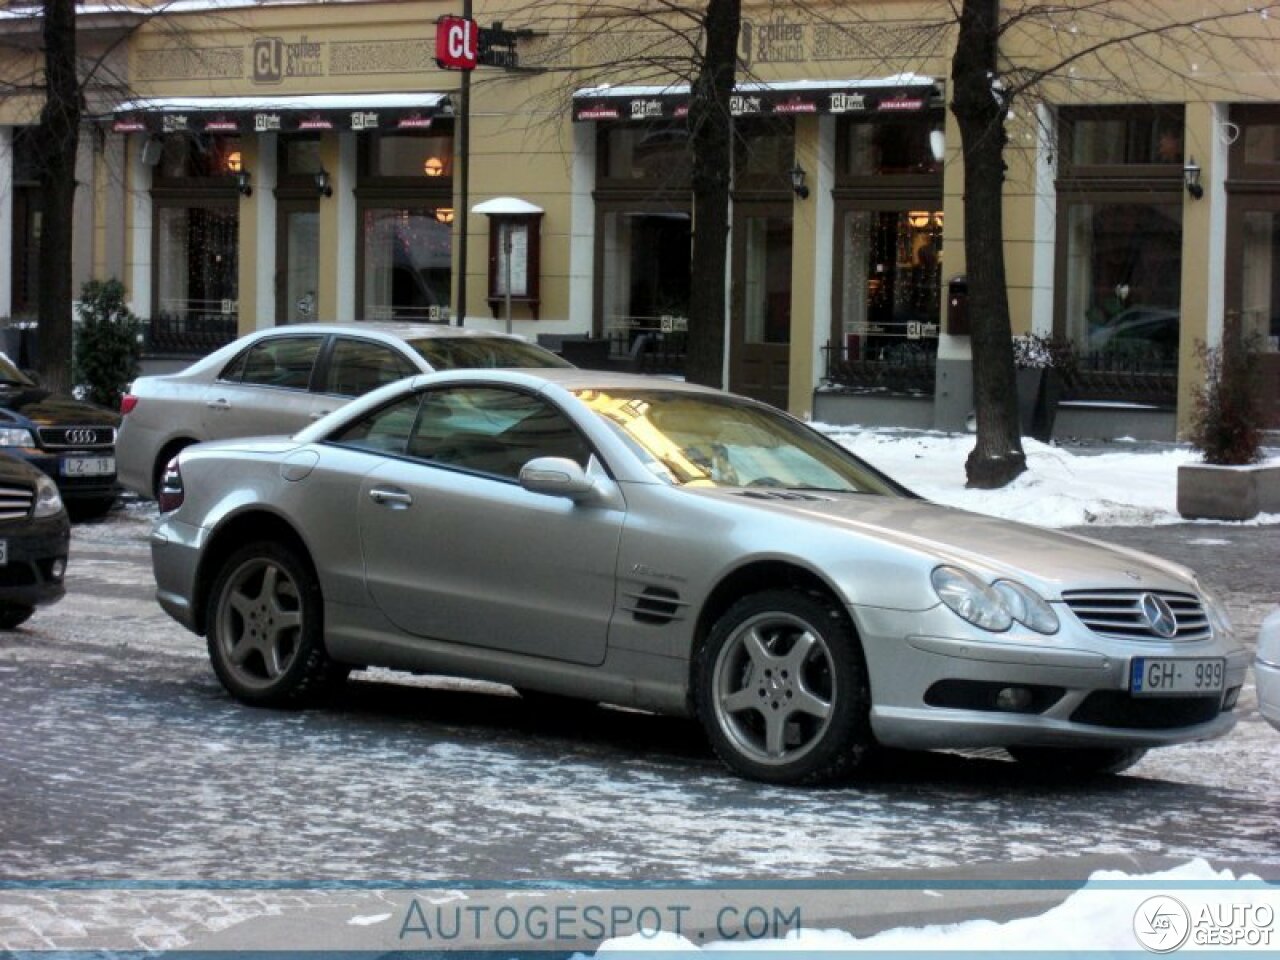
column 10, row 374
column 707, row 441
column 449, row 353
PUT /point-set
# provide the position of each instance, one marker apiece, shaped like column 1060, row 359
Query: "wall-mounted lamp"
column 444, row 215
column 322, row 183
column 243, row 185
column 433, row 167
column 938, row 145
column 797, row 182
column 1191, row 177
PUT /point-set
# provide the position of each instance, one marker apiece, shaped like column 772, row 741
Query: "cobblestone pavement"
column 123, row 760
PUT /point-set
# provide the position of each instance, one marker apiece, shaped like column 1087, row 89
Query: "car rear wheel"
column 265, row 629
column 13, row 615
column 1077, row 761
column 781, row 689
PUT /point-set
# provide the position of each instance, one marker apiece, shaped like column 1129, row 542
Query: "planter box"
column 1209, row 492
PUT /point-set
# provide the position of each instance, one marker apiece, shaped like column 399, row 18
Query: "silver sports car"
column 658, row 545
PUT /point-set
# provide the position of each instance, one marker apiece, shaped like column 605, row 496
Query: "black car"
column 72, row 441
column 34, row 536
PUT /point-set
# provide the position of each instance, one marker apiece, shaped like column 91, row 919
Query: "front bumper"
column 1267, row 676
column 175, row 560
column 37, row 558
column 936, row 683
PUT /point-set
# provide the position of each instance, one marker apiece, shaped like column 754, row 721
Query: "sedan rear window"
column 468, row 353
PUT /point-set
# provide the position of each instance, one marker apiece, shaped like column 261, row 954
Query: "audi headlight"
column 16, row 437
column 1026, row 606
column 1216, row 611
column 971, row 599
column 48, row 500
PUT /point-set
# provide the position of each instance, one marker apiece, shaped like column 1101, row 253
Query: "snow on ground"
column 1123, row 485
column 1114, row 911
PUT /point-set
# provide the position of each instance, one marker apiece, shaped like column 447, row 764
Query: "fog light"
column 1013, row 699
column 1229, row 701
column 58, row 569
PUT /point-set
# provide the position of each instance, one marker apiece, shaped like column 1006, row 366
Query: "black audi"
column 72, row 441
column 34, row 536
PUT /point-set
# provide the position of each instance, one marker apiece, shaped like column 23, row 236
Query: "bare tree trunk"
column 980, row 110
column 710, row 133
column 57, row 138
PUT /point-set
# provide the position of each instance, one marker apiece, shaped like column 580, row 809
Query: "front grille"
column 1118, row 613
column 77, row 438
column 15, row 502
column 1115, row 708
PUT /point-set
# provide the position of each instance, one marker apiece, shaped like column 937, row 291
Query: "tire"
column 81, row 510
column 265, row 628
column 14, row 615
column 776, row 706
column 1064, row 762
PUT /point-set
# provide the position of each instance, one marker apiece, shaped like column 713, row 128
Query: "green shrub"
column 1228, row 410
column 107, row 349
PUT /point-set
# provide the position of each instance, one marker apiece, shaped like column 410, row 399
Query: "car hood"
column 47, row 409
column 1049, row 560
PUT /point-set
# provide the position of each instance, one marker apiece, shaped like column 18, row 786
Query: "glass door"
column 760, row 343
column 1253, row 284
column 298, row 262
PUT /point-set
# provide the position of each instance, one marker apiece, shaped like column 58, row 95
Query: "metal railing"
column 1147, row 376
column 907, row 367
column 188, row 334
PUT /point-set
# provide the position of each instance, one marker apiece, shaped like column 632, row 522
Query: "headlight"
column 48, row 500
column 1219, row 621
column 15, row 437
column 1026, row 606
column 971, row 599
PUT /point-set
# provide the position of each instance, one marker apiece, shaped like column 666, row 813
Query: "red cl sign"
column 456, row 43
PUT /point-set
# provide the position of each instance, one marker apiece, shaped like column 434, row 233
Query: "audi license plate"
column 1153, row 677
column 88, row 466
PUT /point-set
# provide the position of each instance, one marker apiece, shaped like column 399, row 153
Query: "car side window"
column 358, row 366
column 492, row 431
column 277, row 362
column 386, row 430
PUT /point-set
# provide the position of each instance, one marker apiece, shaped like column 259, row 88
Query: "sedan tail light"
column 171, row 491
column 127, row 403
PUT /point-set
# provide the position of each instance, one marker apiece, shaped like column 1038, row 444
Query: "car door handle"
column 390, row 496
column 221, row 403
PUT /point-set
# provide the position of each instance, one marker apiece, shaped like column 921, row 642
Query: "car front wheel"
column 13, row 615
column 781, row 689
column 265, row 629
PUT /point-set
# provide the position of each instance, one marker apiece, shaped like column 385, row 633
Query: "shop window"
column 657, row 153
column 1119, row 256
column 645, row 288
column 412, row 156
column 1136, row 136
column 899, row 146
column 197, row 262
column 300, row 157
column 407, row 263
column 191, row 156
column 764, row 151
column 28, row 221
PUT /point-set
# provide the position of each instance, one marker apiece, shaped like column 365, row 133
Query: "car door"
column 354, row 366
column 455, row 549
column 264, row 390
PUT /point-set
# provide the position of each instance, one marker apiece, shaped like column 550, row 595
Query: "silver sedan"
column 663, row 546
column 281, row 379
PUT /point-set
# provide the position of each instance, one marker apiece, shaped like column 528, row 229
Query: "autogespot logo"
column 1162, row 924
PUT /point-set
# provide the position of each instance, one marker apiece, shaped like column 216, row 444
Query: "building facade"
column 263, row 164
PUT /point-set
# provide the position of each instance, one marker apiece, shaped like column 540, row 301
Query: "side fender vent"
column 654, row 605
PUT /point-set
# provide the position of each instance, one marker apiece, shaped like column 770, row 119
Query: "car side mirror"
column 556, row 477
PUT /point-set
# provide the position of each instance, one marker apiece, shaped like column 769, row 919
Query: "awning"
column 901, row 93
column 287, row 114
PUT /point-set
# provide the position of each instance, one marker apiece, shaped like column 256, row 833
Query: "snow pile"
column 1120, row 487
column 1102, row 915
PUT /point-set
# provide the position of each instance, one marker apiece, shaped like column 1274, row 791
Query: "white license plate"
column 88, row 466
column 1154, row 676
